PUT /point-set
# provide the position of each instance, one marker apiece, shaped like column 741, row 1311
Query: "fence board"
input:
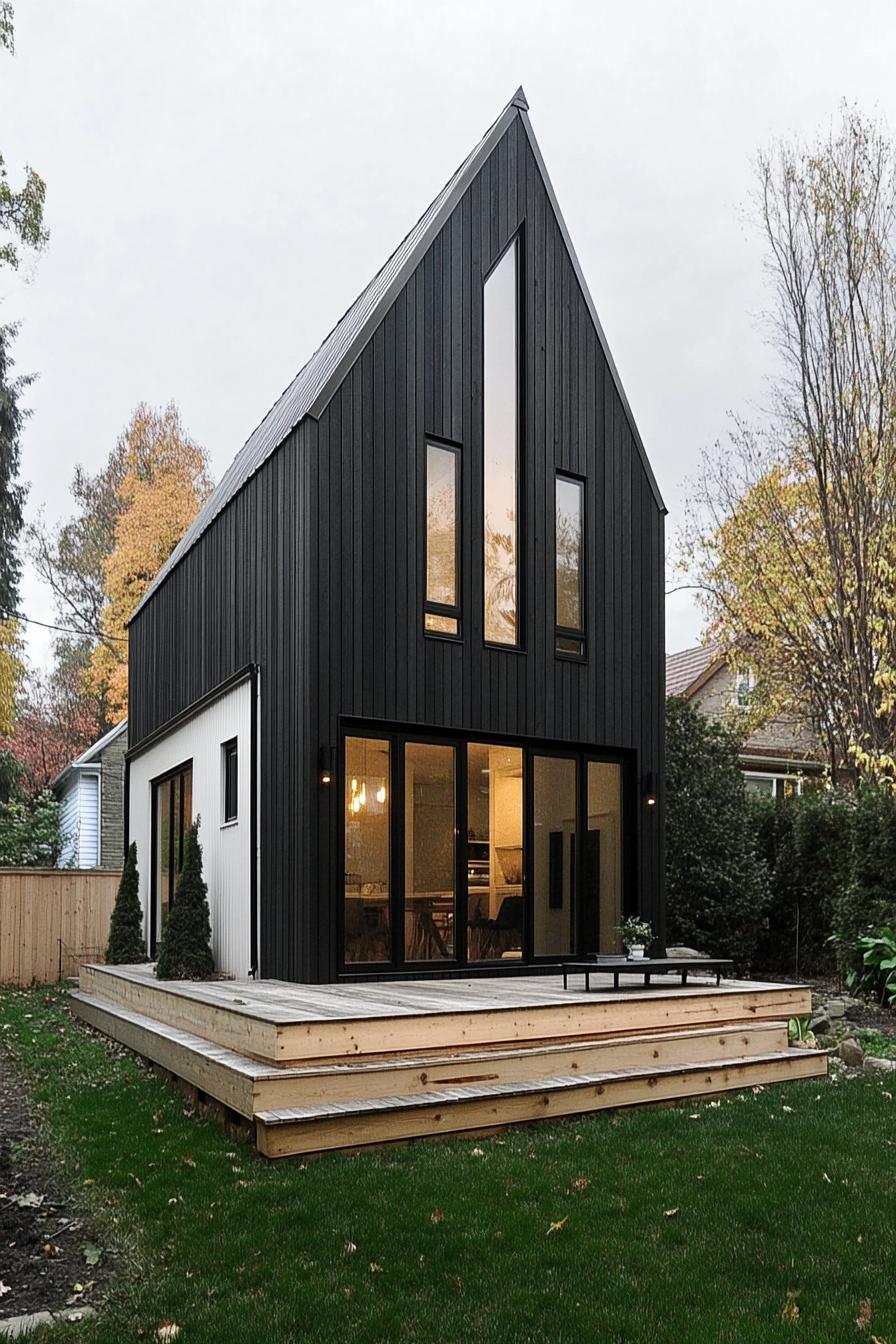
column 52, row 920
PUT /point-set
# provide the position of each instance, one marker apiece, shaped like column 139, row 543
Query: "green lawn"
column 700, row 1223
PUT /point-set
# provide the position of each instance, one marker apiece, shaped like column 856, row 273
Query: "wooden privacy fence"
column 52, row 920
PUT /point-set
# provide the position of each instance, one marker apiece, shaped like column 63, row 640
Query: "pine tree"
column 185, row 951
column 126, row 945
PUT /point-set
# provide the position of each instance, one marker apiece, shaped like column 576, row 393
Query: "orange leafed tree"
column 165, row 482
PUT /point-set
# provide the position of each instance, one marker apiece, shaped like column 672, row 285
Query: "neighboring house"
column 91, row 791
column 777, row 758
column 407, row 663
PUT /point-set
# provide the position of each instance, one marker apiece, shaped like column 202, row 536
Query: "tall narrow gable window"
column 442, row 609
column 501, row 432
column 569, row 546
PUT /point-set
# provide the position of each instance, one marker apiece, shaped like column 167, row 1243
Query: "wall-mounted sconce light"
column 327, row 765
column 648, row 789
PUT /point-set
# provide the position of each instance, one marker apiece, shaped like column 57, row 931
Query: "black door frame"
column 397, row 736
column 177, row 772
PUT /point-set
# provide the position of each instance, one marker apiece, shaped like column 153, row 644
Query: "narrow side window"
column 230, row 789
column 442, row 606
column 569, row 547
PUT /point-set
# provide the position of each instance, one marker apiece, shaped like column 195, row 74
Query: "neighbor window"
column 231, row 787
column 442, row 608
column 501, row 404
column 569, row 514
column 744, row 686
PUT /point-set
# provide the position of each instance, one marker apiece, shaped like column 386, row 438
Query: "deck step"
column 287, row 1025
column 247, row 1086
column 286, row 1131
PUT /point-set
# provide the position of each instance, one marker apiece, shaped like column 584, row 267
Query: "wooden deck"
column 316, row 1067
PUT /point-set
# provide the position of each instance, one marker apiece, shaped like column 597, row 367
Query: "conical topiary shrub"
column 185, row 950
column 126, row 945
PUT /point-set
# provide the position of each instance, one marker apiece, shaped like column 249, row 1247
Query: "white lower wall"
column 226, row 849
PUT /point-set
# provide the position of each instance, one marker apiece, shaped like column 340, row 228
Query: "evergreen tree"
column 126, row 945
column 12, row 494
column 185, row 951
column 716, row 882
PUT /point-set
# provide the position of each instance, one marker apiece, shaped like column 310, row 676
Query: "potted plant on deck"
column 635, row 935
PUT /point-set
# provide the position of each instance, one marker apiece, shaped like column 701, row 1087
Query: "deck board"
column 284, row 1004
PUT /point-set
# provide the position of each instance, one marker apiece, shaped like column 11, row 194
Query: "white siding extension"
column 226, row 849
column 81, row 820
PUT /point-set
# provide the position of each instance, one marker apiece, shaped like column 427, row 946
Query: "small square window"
column 231, row 788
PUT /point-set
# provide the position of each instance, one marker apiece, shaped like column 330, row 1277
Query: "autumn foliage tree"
column 792, row 540
column 165, row 483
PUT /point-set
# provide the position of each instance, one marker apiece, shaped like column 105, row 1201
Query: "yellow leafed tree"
column 793, row 538
column 165, row 483
column 12, row 673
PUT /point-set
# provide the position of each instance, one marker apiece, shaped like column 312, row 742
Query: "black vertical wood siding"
column 314, row 571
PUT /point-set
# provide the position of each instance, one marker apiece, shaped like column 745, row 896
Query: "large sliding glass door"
column 477, row 853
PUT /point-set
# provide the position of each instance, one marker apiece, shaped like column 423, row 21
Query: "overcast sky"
column 224, row 178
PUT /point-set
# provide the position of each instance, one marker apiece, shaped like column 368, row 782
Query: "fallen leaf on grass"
column 581, row 1183
column 92, row 1254
column 558, row 1227
column 50, row 1248
column 866, row 1313
column 4, row 1288
column 375, row 1268
column 168, row 1330
column 826, row 1178
column 437, row 1216
column 790, row 1311
column 672, row 1213
column 29, row 1201
column 350, row 1248
column 188, row 1160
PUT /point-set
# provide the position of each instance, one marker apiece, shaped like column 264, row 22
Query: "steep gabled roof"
column 92, row 754
column 314, row 385
column 690, row 669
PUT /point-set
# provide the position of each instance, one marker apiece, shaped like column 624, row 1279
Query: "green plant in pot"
column 635, row 935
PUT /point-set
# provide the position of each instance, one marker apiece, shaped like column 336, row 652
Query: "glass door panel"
column 163, row 850
column 602, row 861
column 366, row 925
column 555, row 821
column 495, row 903
column 430, row 835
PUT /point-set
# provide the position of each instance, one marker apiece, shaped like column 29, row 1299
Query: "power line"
column 63, row 629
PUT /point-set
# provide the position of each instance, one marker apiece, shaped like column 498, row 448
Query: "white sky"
column 224, row 178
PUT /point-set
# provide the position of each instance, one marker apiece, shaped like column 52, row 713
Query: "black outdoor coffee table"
column 645, row 966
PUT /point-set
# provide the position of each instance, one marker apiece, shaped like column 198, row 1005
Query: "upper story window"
column 230, row 786
column 744, row 686
column 501, row 417
column 442, row 608
column 569, row 552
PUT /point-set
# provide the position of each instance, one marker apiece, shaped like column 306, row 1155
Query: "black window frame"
column 579, row 634
column 178, row 773
column 518, row 243
column 230, row 776
column 451, row 612
column 398, row 736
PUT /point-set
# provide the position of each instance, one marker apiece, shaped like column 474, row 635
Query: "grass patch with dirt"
column 755, row 1217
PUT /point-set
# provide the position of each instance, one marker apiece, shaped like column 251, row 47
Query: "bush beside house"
column 787, row 886
column 185, row 949
column 126, row 946
column 716, row 881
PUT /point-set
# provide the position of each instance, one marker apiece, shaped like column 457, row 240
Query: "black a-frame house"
column 407, row 663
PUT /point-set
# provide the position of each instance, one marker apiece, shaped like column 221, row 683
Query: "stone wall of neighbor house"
column 112, row 803
column 785, row 736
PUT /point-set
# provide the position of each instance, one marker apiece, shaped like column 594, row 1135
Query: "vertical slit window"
column 230, row 790
column 569, row 547
column 501, row 430
column 442, row 608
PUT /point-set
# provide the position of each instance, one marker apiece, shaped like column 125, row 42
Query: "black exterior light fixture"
column 327, row 764
column 648, row 789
